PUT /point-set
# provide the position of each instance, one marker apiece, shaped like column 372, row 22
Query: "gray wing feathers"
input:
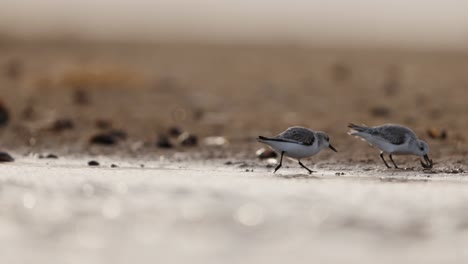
column 300, row 135
column 394, row 134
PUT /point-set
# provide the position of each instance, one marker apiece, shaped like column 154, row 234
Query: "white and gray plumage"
column 393, row 139
column 298, row 142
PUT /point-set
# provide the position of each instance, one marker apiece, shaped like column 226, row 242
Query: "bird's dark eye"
column 421, row 148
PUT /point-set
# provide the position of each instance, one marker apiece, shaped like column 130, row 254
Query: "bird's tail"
column 355, row 129
column 262, row 139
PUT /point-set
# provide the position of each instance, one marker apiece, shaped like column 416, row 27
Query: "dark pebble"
column 198, row 114
column 188, row 140
column 103, row 139
column 174, row 131
column 14, row 69
column 5, row 157
column 4, row 115
column 28, row 113
column 93, row 163
column 114, row 166
column 380, row 111
column 266, row 153
column 49, row 156
column 117, row 133
column 164, row 142
column 340, row 72
column 81, row 97
column 103, row 124
column 62, row 124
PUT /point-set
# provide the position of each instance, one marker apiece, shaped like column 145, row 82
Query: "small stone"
column 103, row 124
column 103, row 139
column 265, row 153
column 14, row 69
column 341, row 72
column 188, row 140
column 174, row 131
column 62, row 124
column 93, row 163
column 81, row 97
column 4, row 115
column 380, row 111
column 114, row 166
column 164, row 142
column 5, row 157
column 117, row 133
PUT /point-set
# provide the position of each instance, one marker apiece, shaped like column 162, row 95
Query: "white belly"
column 385, row 146
column 293, row 150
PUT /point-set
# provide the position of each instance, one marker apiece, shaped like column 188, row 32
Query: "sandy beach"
column 179, row 123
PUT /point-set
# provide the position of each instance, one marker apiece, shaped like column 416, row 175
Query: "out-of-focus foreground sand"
column 61, row 211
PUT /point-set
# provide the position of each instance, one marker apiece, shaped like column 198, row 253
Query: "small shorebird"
column 298, row 142
column 393, row 139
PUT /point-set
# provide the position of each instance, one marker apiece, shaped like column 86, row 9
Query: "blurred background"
column 229, row 68
column 364, row 23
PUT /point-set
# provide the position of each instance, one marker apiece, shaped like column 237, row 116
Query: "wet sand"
column 62, row 211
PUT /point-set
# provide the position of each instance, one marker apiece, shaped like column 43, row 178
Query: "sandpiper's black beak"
column 332, row 148
column 428, row 162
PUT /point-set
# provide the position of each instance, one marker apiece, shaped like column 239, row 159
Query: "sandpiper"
column 298, row 142
column 393, row 139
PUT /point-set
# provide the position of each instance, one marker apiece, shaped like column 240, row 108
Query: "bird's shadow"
column 298, row 176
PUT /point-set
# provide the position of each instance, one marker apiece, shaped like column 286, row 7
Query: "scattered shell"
column 272, row 161
column 266, row 153
column 215, row 141
column 437, row 134
column 188, row 140
column 5, row 157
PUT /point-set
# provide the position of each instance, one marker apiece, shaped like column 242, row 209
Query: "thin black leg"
column 281, row 162
column 303, row 166
column 396, row 167
column 381, row 156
